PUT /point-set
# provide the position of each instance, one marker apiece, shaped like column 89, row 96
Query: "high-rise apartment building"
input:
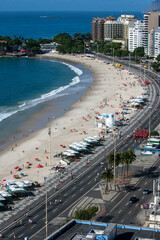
column 113, row 30
column 98, row 28
column 151, row 21
column 135, row 35
column 154, row 43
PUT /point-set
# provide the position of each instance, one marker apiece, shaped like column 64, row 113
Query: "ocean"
column 37, row 25
column 33, row 91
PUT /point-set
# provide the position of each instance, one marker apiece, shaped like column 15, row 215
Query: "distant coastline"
column 49, row 16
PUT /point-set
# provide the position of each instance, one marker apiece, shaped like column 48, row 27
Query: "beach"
column 110, row 89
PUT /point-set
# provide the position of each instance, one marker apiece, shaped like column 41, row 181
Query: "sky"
column 74, row 5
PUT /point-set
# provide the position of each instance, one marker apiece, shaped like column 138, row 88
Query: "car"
column 133, row 199
column 145, row 191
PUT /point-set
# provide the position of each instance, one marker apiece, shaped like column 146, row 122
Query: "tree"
column 86, row 214
column 154, row 133
column 108, row 176
column 155, row 66
column 138, row 52
column 158, row 58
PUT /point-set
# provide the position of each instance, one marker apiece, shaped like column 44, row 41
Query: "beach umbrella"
column 14, row 176
column 36, row 159
column 4, row 180
column 27, row 162
column 39, row 166
column 16, row 167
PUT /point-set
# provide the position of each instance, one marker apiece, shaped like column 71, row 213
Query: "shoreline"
column 108, row 82
column 48, row 104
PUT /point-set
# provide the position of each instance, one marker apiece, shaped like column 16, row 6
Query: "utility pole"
column 97, row 50
column 84, row 47
column 129, row 62
column 46, row 222
column 115, row 161
column 49, row 133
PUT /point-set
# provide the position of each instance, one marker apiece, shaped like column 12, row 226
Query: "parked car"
column 133, row 199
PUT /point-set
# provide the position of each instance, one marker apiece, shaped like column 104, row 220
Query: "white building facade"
column 154, row 42
column 135, row 35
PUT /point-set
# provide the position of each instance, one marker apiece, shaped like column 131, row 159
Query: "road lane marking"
column 81, row 189
column 143, row 197
column 145, row 183
column 139, row 189
column 136, row 204
column 130, row 212
column 20, row 235
column 89, row 182
column 35, row 216
column 120, row 211
column 122, row 220
column 33, row 226
column 73, row 195
column 65, row 194
column 54, row 210
column 127, row 203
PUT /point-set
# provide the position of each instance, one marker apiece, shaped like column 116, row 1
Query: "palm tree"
column 131, row 157
column 108, row 176
column 127, row 158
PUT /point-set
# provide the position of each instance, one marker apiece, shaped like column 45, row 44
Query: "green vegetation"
column 69, row 44
column 124, row 158
column 155, row 66
column 86, row 214
column 158, row 58
column 138, row 52
column 154, row 133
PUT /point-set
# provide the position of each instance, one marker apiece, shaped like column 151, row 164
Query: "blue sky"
column 74, row 5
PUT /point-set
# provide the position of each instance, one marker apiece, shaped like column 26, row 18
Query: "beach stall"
column 78, row 148
column 16, row 191
column 29, row 183
column 6, row 195
column 155, row 140
column 2, row 199
column 109, row 120
column 64, row 161
column 21, row 184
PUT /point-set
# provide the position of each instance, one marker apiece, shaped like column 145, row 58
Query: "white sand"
column 108, row 84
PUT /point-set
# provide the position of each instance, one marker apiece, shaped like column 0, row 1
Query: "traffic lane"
column 138, row 192
column 52, row 211
column 81, row 192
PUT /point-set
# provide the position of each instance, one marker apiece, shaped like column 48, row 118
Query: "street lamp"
column 113, row 56
column 84, row 47
column 149, row 123
column 129, row 62
column 115, row 138
column 97, row 49
column 49, row 133
column 46, row 222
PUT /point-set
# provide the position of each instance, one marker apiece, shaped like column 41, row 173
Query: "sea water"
column 33, row 91
column 48, row 24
